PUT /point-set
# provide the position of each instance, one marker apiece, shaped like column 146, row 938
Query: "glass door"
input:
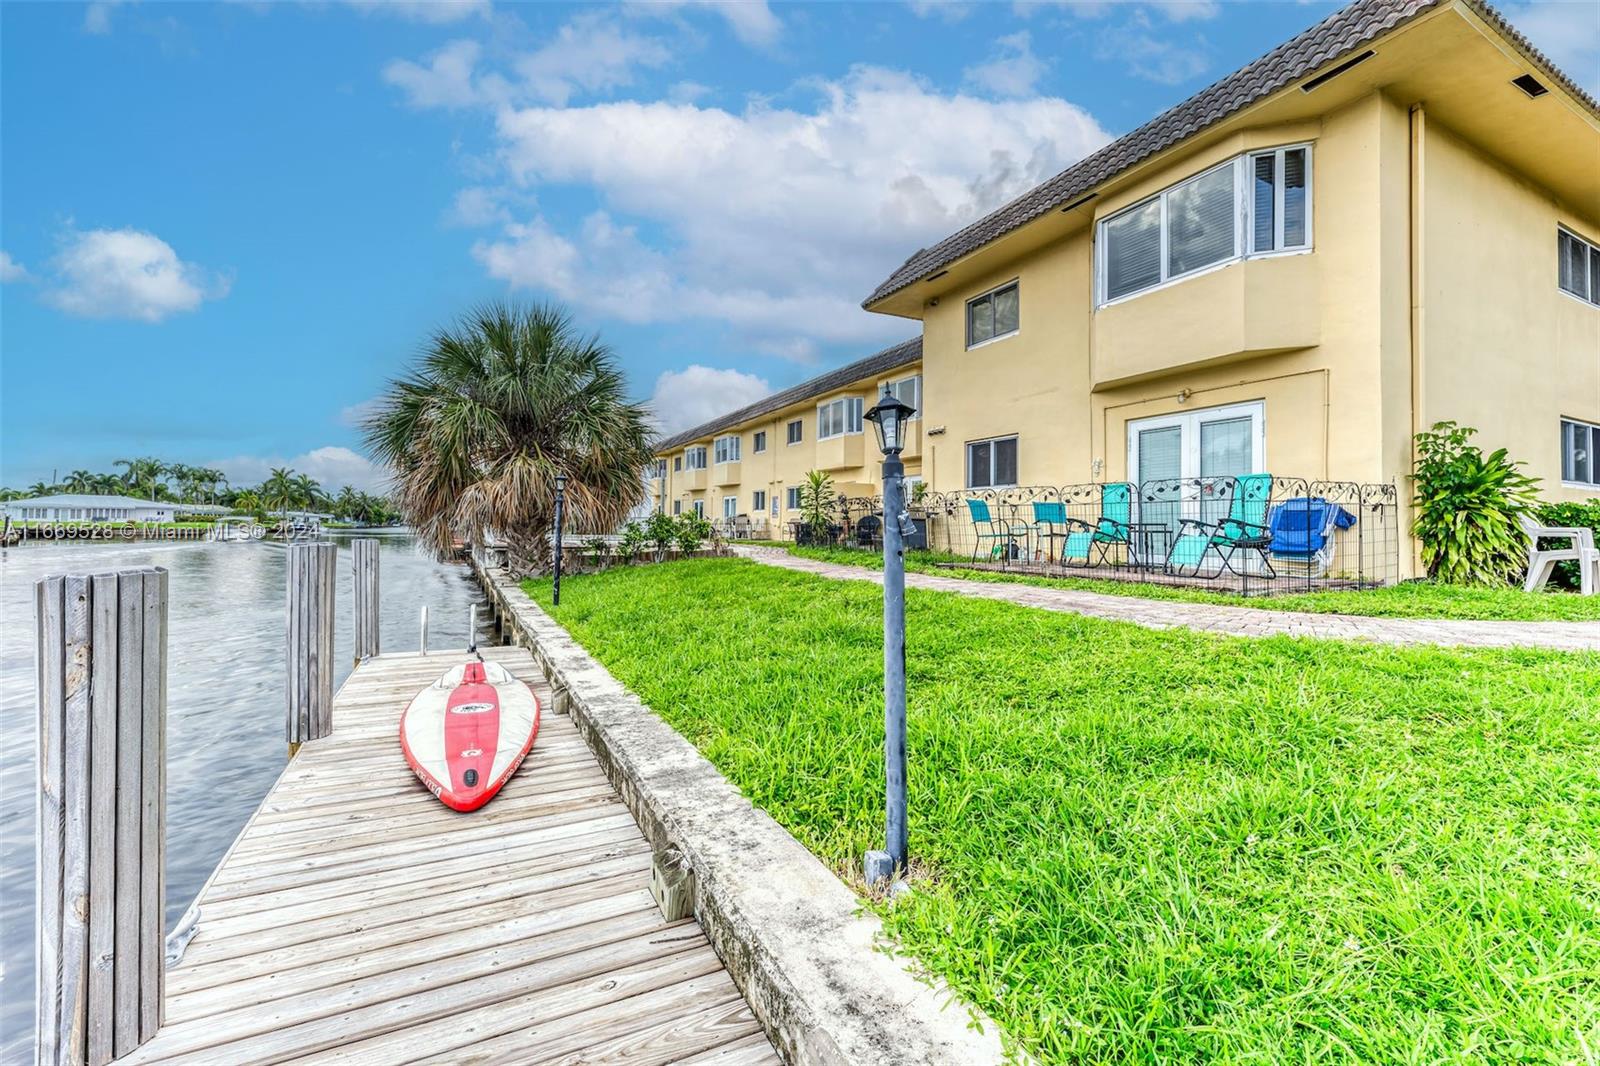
column 1193, row 447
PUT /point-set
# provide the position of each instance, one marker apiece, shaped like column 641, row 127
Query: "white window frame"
column 852, row 410
column 1589, row 248
column 689, row 455
column 730, row 507
column 1594, row 458
column 966, row 322
column 758, row 442
column 661, row 469
column 791, row 498
column 1243, row 229
column 758, row 501
column 1189, row 461
column 916, row 379
column 966, row 461
column 677, row 507
column 727, row 448
column 699, row 508
column 795, row 438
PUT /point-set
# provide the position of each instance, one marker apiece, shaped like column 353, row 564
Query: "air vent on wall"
column 1323, row 79
column 1530, row 85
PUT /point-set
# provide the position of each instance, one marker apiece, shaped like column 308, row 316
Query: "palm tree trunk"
column 528, row 555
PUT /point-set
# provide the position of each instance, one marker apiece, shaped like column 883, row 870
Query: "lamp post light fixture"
column 561, row 499
column 888, row 420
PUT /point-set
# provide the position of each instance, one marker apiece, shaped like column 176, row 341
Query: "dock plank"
column 358, row 920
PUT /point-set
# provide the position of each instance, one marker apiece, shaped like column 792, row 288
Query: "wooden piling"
column 364, row 571
column 310, row 585
column 102, row 813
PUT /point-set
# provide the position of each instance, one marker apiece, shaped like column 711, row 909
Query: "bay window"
column 838, row 417
column 1254, row 204
column 727, row 449
column 695, row 458
column 909, row 392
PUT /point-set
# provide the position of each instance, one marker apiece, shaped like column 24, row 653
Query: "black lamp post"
column 888, row 419
column 561, row 499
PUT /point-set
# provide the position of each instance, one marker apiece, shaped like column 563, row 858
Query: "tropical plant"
column 501, row 403
column 661, row 531
column 692, row 531
column 142, row 474
column 595, row 550
column 278, row 491
column 633, row 542
column 817, row 501
column 80, row 481
column 308, row 492
column 1465, row 508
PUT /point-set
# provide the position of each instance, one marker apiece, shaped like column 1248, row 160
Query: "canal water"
column 225, row 702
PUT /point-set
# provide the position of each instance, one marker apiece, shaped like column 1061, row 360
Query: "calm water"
column 225, row 704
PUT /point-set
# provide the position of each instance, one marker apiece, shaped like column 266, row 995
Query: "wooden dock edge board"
column 799, row 947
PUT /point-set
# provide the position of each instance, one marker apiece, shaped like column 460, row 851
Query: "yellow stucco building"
column 750, row 463
column 1391, row 220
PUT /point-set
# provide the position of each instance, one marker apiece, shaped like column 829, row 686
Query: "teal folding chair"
column 1116, row 512
column 987, row 529
column 1244, row 531
column 1050, row 524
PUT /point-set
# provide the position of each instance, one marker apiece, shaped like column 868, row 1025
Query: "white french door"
column 1210, row 442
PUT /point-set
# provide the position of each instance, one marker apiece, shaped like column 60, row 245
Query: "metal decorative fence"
column 1249, row 534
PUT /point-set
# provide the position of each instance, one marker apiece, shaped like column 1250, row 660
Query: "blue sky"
column 224, row 226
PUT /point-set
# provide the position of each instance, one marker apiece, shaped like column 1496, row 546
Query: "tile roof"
column 894, row 356
column 1334, row 38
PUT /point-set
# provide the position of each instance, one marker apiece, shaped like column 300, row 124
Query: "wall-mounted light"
column 1183, row 395
column 933, row 302
column 936, row 431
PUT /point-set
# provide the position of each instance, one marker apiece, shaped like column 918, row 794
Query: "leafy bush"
column 595, row 550
column 692, row 531
column 817, row 501
column 1579, row 515
column 661, row 531
column 633, row 542
column 1466, row 507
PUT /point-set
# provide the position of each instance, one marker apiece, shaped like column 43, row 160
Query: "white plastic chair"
column 1580, row 549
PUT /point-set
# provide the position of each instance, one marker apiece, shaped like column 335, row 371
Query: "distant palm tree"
column 142, row 474
column 247, row 500
column 278, row 491
column 107, row 485
column 80, row 481
column 308, row 492
column 502, row 402
column 39, row 488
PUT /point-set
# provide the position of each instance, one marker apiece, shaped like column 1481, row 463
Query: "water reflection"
column 225, row 703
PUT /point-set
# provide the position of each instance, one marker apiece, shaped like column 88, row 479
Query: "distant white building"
column 82, row 507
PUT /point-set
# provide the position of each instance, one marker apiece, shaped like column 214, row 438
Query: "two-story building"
column 1391, row 220
column 751, row 462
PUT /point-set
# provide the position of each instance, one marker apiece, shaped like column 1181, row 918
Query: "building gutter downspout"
column 1418, row 157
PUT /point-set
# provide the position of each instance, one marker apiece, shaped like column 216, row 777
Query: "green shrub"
column 633, row 542
column 817, row 501
column 595, row 550
column 692, row 531
column 1579, row 515
column 661, row 531
column 1466, row 507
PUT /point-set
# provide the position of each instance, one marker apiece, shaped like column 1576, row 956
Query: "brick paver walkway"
column 1217, row 618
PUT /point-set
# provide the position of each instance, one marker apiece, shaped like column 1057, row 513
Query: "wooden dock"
column 357, row 920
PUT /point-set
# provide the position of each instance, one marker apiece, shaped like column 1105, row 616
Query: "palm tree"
column 278, row 491
column 39, row 488
column 80, row 481
column 502, row 402
column 308, row 492
column 142, row 474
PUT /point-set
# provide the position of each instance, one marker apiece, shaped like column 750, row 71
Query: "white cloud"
column 128, row 273
column 11, row 270
column 1567, row 32
column 1013, row 70
column 355, row 415
column 592, row 53
column 97, row 16
column 775, row 221
column 1174, row 10
column 1152, row 57
column 752, row 21
column 333, row 466
column 948, row 10
column 434, row 12
column 1188, row 10
column 696, row 394
column 445, row 82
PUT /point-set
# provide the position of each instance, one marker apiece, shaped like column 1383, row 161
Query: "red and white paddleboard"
column 466, row 734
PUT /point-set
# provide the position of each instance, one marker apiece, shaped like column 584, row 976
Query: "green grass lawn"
column 1164, row 847
column 1413, row 599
